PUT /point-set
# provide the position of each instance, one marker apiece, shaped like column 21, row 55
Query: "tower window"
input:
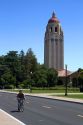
column 55, row 29
column 51, row 29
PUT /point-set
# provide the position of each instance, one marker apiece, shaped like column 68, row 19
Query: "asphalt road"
column 41, row 111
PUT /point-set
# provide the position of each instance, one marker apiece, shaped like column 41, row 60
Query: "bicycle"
column 20, row 105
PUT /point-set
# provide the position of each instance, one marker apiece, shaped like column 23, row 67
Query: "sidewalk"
column 55, row 97
column 6, row 119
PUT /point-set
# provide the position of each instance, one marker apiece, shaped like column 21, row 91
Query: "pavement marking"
column 80, row 116
column 12, row 117
column 27, row 102
column 41, row 120
column 46, row 107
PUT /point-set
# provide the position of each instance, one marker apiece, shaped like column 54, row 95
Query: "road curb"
column 59, row 99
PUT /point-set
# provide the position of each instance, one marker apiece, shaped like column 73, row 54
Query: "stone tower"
column 54, row 44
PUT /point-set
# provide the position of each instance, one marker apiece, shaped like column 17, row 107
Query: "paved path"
column 54, row 96
column 6, row 119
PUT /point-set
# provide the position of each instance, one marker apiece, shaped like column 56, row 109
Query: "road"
column 41, row 111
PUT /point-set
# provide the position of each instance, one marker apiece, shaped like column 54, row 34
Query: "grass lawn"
column 75, row 96
column 47, row 90
column 57, row 92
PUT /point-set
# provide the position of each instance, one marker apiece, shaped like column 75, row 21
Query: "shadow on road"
column 13, row 111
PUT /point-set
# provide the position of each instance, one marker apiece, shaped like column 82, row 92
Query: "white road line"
column 41, row 120
column 27, row 102
column 12, row 117
column 46, row 107
column 80, row 116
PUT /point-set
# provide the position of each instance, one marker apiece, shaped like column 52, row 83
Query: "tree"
column 8, row 80
column 51, row 77
column 80, row 78
column 13, row 63
column 40, row 78
column 22, row 57
column 11, row 60
column 21, row 72
column 30, row 62
column 1, row 60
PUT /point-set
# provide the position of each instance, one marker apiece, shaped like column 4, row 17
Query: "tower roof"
column 53, row 18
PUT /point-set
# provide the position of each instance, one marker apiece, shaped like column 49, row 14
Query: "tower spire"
column 53, row 14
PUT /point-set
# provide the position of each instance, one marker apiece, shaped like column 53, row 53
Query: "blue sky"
column 23, row 24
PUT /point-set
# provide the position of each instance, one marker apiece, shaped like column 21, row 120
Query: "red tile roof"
column 53, row 19
column 62, row 73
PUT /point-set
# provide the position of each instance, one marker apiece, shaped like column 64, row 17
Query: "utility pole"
column 31, row 82
column 65, row 80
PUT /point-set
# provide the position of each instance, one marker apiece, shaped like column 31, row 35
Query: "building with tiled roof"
column 62, row 73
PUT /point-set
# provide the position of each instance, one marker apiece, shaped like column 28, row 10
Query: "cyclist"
column 20, row 98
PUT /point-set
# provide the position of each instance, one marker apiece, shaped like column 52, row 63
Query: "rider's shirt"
column 20, row 95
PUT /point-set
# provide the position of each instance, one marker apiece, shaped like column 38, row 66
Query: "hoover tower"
column 54, row 44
